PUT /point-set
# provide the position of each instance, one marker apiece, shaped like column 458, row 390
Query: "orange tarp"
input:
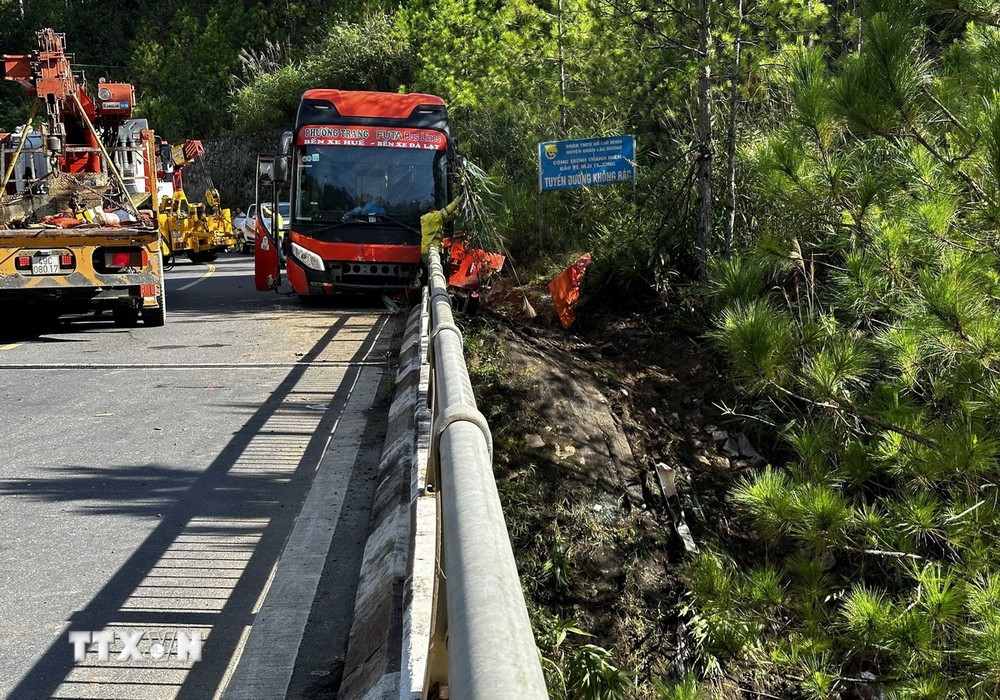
column 565, row 289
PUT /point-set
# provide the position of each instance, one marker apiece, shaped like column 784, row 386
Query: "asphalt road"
column 151, row 477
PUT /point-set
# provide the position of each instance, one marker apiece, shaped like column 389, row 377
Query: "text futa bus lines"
column 361, row 169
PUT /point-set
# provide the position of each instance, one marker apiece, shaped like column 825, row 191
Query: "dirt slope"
column 579, row 421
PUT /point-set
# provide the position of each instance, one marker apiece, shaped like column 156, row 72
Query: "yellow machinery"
column 201, row 230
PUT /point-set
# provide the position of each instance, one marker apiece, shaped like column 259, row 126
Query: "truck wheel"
column 125, row 316
column 154, row 317
column 157, row 316
column 204, row 256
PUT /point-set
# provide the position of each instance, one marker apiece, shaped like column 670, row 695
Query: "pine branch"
column 886, row 553
column 951, row 117
column 950, row 163
column 847, row 407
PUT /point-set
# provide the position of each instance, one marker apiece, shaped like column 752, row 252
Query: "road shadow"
column 209, row 560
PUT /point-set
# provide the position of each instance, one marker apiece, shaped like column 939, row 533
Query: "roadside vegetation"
column 816, row 212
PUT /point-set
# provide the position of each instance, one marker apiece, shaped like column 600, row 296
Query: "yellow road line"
column 9, row 347
column 208, row 273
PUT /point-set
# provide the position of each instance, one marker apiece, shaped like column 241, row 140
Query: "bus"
column 359, row 170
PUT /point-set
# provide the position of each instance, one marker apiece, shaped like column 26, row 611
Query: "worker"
column 432, row 221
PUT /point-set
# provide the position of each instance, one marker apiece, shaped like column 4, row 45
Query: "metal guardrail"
column 482, row 646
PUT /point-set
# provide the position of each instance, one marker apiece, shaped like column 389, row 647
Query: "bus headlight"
column 307, row 257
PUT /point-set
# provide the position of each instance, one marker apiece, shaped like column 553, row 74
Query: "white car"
column 247, row 237
column 244, row 226
column 238, row 222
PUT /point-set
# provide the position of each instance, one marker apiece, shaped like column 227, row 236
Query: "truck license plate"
column 45, row 265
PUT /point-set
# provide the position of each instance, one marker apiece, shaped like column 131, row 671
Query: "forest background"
column 819, row 185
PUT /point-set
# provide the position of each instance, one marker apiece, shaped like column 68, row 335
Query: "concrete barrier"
column 391, row 613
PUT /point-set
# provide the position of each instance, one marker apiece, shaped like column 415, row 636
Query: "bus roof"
column 392, row 105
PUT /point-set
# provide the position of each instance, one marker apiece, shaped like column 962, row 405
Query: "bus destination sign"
column 380, row 136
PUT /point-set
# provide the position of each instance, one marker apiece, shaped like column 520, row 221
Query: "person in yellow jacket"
column 433, row 221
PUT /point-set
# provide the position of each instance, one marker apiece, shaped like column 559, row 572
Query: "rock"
column 719, row 435
column 565, row 452
column 747, row 450
column 534, row 442
column 710, row 428
column 634, row 495
column 702, row 459
column 731, row 448
column 653, row 409
column 625, row 392
column 720, row 462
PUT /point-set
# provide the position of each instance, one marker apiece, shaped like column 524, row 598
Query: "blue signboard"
column 564, row 165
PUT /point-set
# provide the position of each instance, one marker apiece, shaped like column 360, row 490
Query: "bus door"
column 267, row 273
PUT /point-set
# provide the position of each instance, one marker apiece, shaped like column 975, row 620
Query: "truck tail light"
column 66, row 261
column 128, row 257
column 118, row 259
column 22, row 262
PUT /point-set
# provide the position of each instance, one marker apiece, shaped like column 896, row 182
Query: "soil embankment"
column 580, row 422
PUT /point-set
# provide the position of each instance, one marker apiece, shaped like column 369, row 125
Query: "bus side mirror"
column 281, row 169
column 282, row 162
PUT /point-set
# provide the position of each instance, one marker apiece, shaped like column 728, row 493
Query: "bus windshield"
column 357, row 183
